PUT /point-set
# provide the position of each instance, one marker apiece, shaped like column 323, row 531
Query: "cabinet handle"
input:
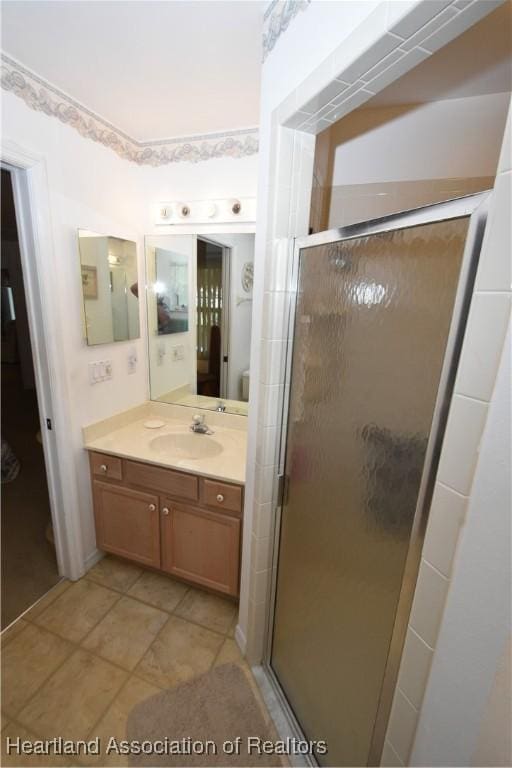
column 165, row 511
column 220, row 498
column 104, row 468
column 151, row 507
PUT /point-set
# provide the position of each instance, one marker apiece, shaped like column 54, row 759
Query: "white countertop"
column 126, row 436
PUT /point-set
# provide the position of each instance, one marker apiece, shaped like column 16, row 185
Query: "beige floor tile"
column 115, row 573
column 47, row 599
column 11, row 632
column 230, row 653
column 210, row 611
column 78, row 610
column 126, row 632
column 158, row 590
column 11, row 757
column 181, row 651
column 74, row 697
column 27, row 661
column 113, row 724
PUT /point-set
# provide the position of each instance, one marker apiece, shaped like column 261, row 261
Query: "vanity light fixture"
column 222, row 210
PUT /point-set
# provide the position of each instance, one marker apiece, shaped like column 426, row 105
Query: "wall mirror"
column 199, row 301
column 110, row 288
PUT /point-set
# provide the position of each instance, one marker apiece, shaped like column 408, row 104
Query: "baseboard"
column 93, row 558
column 240, row 639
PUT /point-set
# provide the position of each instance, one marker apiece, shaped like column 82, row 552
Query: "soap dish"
column 154, row 424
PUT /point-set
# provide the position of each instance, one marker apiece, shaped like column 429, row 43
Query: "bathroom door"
column 379, row 315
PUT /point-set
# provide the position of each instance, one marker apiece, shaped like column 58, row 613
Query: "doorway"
column 375, row 339
column 29, row 563
column 212, row 304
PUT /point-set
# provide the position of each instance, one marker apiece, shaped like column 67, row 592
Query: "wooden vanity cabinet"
column 184, row 524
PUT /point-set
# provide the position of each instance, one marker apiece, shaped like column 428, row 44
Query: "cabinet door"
column 201, row 546
column 127, row 523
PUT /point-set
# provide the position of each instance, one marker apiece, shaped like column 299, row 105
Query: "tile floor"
column 80, row 660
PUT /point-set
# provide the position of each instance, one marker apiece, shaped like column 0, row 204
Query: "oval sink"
column 186, row 446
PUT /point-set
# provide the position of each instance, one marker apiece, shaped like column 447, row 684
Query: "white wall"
column 438, row 140
column 90, row 187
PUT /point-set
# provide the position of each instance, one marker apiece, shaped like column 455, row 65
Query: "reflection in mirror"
column 109, row 288
column 199, row 319
column 171, row 288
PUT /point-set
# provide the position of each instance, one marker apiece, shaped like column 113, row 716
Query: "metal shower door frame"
column 475, row 207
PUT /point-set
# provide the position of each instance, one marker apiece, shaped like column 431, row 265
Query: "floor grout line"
column 44, row 681
column 76, row 645
column 25, row 613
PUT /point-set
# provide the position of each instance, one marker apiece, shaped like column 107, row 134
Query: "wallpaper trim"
column 42, row 96
column 276, row 20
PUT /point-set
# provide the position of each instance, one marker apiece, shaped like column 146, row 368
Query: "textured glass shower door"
column 377, row 329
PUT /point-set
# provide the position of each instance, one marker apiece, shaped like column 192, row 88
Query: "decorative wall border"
column 276, row 20
column 42, row 96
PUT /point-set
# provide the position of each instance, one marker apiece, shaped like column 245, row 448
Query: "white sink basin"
column 187, row 445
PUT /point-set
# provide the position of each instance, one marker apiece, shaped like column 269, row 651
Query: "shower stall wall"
column 375, row 335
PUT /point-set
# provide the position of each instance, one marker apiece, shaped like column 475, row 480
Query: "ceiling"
column 154, row 68
column 476, row 63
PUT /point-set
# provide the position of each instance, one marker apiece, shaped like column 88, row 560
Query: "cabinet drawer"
column 161, row 480
column 221, row 495
column 106, row 466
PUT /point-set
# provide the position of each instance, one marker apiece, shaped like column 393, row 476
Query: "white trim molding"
column 276, row 21
column 42, row 96
column 31, row 196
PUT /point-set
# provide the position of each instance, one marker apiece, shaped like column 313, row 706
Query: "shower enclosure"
column 376, row 327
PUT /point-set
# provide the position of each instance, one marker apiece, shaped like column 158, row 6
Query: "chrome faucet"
column 199, row 426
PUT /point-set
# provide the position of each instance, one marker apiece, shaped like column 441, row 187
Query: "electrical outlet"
column 101, row 370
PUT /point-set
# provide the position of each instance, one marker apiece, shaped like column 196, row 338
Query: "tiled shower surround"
column 287, row 181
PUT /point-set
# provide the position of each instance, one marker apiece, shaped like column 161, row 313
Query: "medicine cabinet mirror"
column 110, row 288
column 199, row 301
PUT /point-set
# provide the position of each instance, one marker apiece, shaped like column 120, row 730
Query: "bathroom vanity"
column 147, row 509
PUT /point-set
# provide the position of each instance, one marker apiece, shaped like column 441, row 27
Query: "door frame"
column 476, row 207
column 31, row 201
column 226, row 306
